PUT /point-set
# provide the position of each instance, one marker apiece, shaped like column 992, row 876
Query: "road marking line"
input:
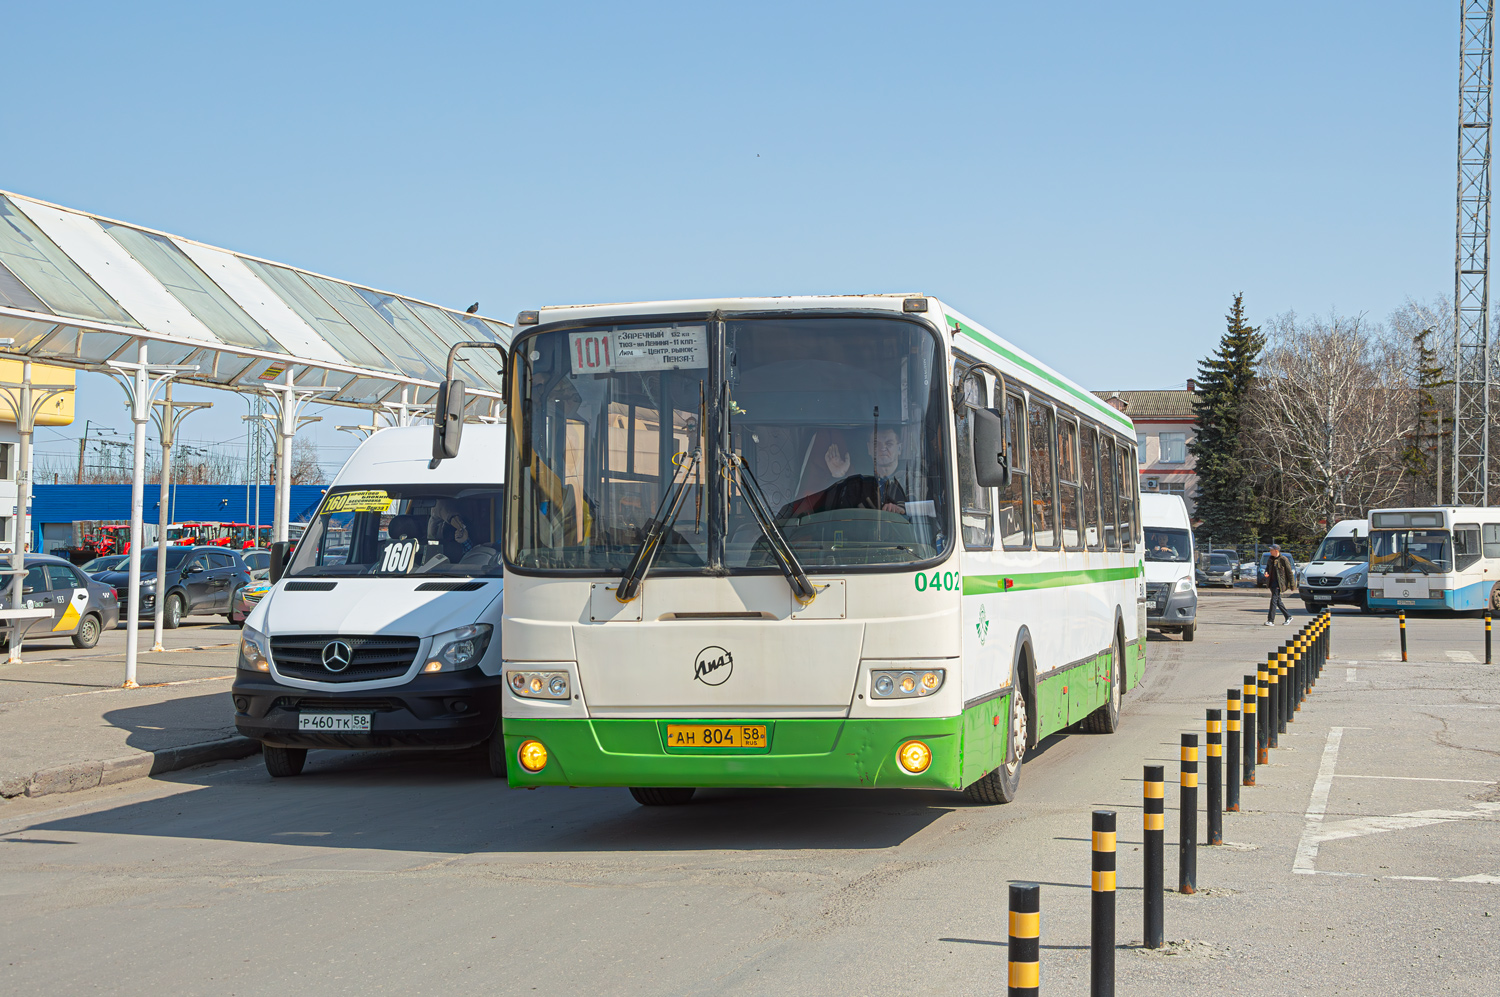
column 1317, row 804
column 1466, row 656
column 1416, row 778
column 1482, row 878
column 1348, row 674
column 1390, row 655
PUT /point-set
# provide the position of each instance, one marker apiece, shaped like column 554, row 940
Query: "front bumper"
column 824, row 753
column 442, row 710
column 1180, row 610
column 1352, row 595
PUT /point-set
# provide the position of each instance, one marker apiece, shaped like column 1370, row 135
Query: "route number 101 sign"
column 605, row 351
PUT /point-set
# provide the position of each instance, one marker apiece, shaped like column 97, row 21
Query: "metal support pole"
column 1232, row 753
column 1154, row 807
column 1102, row 907
column 1250, row 743
column 1187, row 826
column 24, row 425
column 168, row 417
column 1214, row 804
column 1025, row 939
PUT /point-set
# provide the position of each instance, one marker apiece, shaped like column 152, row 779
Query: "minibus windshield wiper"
column 802, row 589
column 658, row 526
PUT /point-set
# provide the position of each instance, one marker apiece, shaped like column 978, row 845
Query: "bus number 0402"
column 938, row 581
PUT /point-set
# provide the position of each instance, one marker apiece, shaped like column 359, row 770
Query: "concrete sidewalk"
column 66, row 725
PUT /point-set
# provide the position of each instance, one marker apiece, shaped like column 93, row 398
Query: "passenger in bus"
column 882, row 490
column 447, row 526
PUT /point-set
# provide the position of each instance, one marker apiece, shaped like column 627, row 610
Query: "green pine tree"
column 1421, row 454
column 1227, row 504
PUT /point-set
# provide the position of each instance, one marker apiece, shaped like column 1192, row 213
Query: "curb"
column 87, row 775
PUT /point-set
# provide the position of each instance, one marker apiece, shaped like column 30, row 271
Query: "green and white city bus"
column 814, row 541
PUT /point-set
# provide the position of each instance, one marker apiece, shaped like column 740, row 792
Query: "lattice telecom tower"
column 1473, row 373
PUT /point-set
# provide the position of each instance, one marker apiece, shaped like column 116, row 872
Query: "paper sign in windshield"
column 367, row 500
column 606, row 351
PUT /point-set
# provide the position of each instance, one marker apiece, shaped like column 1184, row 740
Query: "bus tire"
column 1106, row 719
column 670, row 796
column 1002, row 784
column 1495, row 599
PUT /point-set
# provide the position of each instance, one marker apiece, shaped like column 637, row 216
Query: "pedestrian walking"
column 1280, row 578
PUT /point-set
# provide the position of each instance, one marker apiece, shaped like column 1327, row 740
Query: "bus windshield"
column 403, row 530
column 1168, row 545
column 839, row 420
column 1416, row 551
column 1343, row 549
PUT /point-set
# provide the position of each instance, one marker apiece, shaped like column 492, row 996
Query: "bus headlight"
column 255, row 653
column 539, row 685
column 914, row 757
column 458, row 649
column 532, row 756
column 905, row 684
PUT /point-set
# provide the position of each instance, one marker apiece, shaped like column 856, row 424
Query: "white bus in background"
column 1337, row 573
column 854, row 541
column 1434, row 558
column 1171, row 593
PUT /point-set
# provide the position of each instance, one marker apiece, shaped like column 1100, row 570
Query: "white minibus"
column 1171, row 593
column 1338, row 569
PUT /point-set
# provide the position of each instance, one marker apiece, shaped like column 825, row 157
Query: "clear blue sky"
column 1094, row 181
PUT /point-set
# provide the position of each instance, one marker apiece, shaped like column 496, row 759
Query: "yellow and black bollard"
column 1273, row 701
column 1232, row 751
column 1025, row 939
column 1214, row 804
column 1402, row 616
column 1154, row 805
column 1102, row 930
column 1294, row 666
column 1283, row 687
column 1263, row 719
column 1187, row 831
column 1486, row 636
column 1250, row 743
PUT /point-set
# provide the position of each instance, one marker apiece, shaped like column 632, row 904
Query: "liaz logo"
column 714, row 666
column 983, row 626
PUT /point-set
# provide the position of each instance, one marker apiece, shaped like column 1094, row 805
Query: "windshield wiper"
column 802, row 589
column 657, row 527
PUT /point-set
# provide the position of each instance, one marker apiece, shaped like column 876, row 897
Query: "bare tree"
column 1331, row 414
column 306, row 470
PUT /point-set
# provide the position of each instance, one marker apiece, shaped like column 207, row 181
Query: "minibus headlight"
column 255, row 652
column 539, row 685
column 458, row 649
column 905, row 684
column 1184, row 584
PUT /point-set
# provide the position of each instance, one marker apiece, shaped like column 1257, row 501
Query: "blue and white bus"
column 1434, row 558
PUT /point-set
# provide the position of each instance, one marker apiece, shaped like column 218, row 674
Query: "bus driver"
column 882, row 490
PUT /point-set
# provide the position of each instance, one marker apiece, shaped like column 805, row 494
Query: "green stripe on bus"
column 1094, row 401
column 992, row 584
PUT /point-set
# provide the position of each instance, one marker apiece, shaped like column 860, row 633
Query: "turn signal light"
column 532, row 756
column 914, row 757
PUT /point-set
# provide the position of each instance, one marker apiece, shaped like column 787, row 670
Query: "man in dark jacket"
column 1280, row 578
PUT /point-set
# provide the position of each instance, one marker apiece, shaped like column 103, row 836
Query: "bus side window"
column 1126, row 482
column 1492, row 539
column 1465, row 545
column 1089, row 468
column 976, row 522
column 1015, row 524
column 1067, row 484
column 1043, row 494
column 1109, row 492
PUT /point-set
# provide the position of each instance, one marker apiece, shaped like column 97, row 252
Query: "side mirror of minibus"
column 447, row 420
column 281, row 553
column 991, row 462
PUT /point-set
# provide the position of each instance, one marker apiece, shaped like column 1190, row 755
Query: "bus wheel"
column 661, row 797
column 1495, row 599
column 1001, row 785
column 1106, row 719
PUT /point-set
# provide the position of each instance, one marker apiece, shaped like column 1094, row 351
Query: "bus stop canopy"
column 80, row 290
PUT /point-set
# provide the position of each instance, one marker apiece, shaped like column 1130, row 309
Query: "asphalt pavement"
column 1366, row 860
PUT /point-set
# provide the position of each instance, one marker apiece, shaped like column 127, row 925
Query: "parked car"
column 109, row 562
column 1219, row 569
column 250, row 595
column 82, row 607
column 257, row 559
column 203, row 579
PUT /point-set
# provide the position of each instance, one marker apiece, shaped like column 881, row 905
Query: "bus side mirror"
column 991, row 462
column 447, row 420
column 281, row 553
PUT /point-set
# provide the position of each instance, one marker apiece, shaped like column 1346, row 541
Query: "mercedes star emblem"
column 337, row 655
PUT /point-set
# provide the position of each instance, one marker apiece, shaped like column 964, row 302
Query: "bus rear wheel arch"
column 1106, row 719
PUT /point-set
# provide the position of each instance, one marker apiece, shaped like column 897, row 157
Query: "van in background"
column 1171, row 593
column 1339, row 569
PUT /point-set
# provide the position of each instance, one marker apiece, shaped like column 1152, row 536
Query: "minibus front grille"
column 340, row 704
column 374, row 657
column 310, row 586
column 450, row 586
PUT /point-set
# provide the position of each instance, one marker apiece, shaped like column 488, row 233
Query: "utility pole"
column 83, row 443
column 1473, row 374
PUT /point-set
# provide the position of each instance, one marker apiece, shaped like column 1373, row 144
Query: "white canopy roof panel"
column 78, row 290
